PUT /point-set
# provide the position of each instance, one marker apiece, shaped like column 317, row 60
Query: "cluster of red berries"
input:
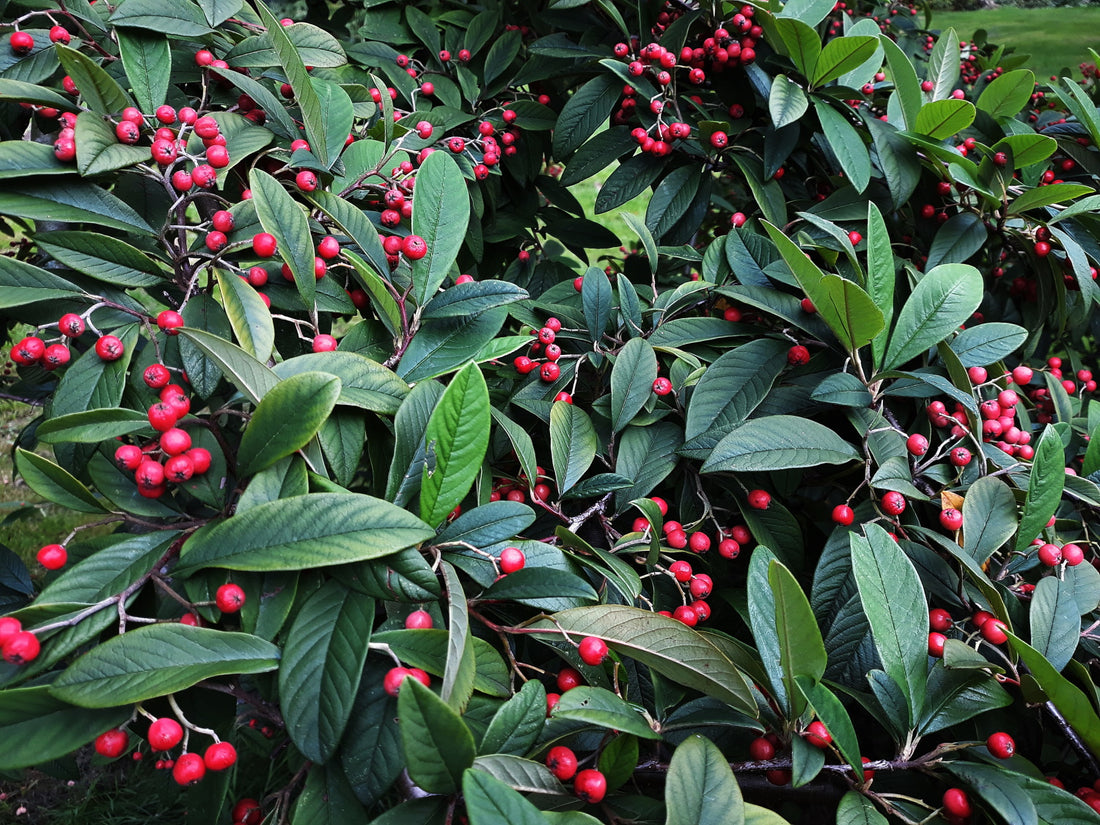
column 165, row 734
column 17, row 646
column 519, row 489
column 544, row 343
column 589, row 784
column 33, row 350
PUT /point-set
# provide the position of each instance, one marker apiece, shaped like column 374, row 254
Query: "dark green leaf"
column 700, row 788
column 957, row 240
column 856, row 809
column 840, row 55
column 327, row 799
column 489, row 802
column 573, row 443
column 801, row 649
column 427, row 649
column 68, row 203
column 455, row 442
column 148, row 63
column 285, row 218
column 945, row 298
column 602, row 708
column 322, row 664
column 998, row 788
column 438, row 745
column 24, row 158
column 845, row 142
column 248, row 315
column 159, row 659
column 1006, row 95
column 372, row 756
column 632, row 378
column 517, row 724
column 778, row 442
column 1055, row 621
column 363, row 383
column 102, row 257
column 54, row 483
column 91, row 426
column 285, row 420
column 251, row 377
column 787, row 103
column 943, row 65
column 458, row 672
column 939, row 119
column 314, row 530
column 989, row 517
column 177, row 17
column 987, row 343
column 582, row 115
column 316, row 47
column 1044, row 488
column 101, row 93
column 38, row 728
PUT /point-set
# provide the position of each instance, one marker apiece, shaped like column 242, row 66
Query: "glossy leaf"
column 283, row 217
column 517, row 724
column 945, row 298
column 989, row 517
column 1006, row 95
column 778, row 442
column 842, row 54
column 248, row 315
column 599, row 707
column 242, row 370
column 55, row 483
column 489, row 801
column 458, row 672
column 572, row 444
column 801, row 649
column 39, row 727
column 998, row 789
column 92, row 426
column 787, row 103
column 939, row 119
column 1055, row 621
column 322, row 664
column 158, row 659
column 438, row 745
column 455, row 442
column 632, row 379
column 845, row 142
column 893, row 600
column 148, row 63
column 315, row 530
column 1044, row 489
column 700, row 788
column 286, row 419
column 584, row 112
column 441, row 213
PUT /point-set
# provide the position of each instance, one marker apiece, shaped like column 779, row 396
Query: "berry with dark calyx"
column 56, row 355
column 163, row 416
column 798, row 355
column 549, row 372
column 128, row 457
column 562, row 762
column 9, row 626
column 511, row 560
column 156, row 376
column 178, row 469
column 951, row 518
column 680, row 570
column 759, row 499
column 418, row 620
column 413, row 247
column 28, row 351
column 164, row 733
column 229, row 598
column 112, row 744
column 701, row 585
column 109, row 348
column 590, row 785
column 817, row 734
column 59, row 34
column 222, row 220
column 893, row 503
column 1001, row 745
column 71, row 325
column 20, row 648
column 170, row 321
column 719, row 140
column 52, row 556
column 306, row 180
column 21, row 43
column 189, row 769
column 219, row 756
column 960, row 456
column 729, row 549
column 592, row 650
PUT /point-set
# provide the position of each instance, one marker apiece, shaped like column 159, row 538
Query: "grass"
column 1058, row 39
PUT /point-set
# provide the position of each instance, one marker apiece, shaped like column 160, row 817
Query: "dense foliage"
column 416, row 516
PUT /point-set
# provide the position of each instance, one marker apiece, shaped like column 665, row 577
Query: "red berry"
column 701, row 585
column 59, row 34
column 178, row 469
column 549, row 372
column 798, row 355
column 511, row 560
column 20, row 648
column 1050, row 555
column 53, row 556
column 189, row 769
column 164, row 734
column 939, row 619
column 247, row 812
column 414, row 248
column 418, row 620
column 21, row 43
column 562, row 762
column 761, row 749
column 993, row 631
column 9, row 626
column 729, row 549
column 680, row 570
column 163, row 416
column 590, row 785
column 951, row 518
column 170, row 321
column 128, row 457
column 229, row 598
column 956, row 803
column 112, row 744
column 219, row 756
column 264, row 244
column 324, row 343
column 817, row 734
column 759, row 499
column 175, row 441
column 893, row 503
column 686, row 614
column 1001, row 745
column 206, row 127
column 71, row 325
column 200, row 459
column 843, row 515
column 960, row 456
column 156, row 376
column 306, row 180
column 569, row 678
column 719, row 140
column 592, row 650
column 1072, row 554
column 935, row 644
column 109, row 348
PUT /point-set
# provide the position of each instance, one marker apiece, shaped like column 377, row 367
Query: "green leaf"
column 98, row 149
column 842, row 304
column 278, row 120
column 158, row 659
column 316, row 47
column 68, row 203
column 24, row 283
column 997, row 787
column 372, row 756
column 458, row 672
column 801, row 649
column 148, row 63
column 38, row 728
column 54, row 483
column 543, row 587
column 596, row 302
column 1027, row 150
column 945, row 298
column 441, row 214
column 989, row 517
column 427, row 649
column 700, row 788
column 322, row 664
column 939, row 119
column 177, row 17
column 778, row 442
column 629, row 179
column 1044, row 487
column 315, row 530
column 285, row 420
column 957, row 240
column 880, row 276
column 856, row 809
column 594, row 156
column 363, row 383
column 284, row 217
column 943, row 65
column 248, row 375
column 840, row 55
column 1008, row 94
column 893, row 600
column 91, row 426
column 584, row 112
column 602, row 708
column 672, row 199
column 438, row 745
column 516, row 725
column 632, row 378
column 845, row 142
column 808, row 12
column 730, row 389
column 906, row 83
column 1055, row 621
column 665, row 645
column 830, row 710
column 1080, row 105
column 23, row 158
column 326, row 799
column 573, row 443
column 102, row 257
column 21, row 91
column 1047, row 195
column 988, row 343
column 322, row 134
column 787, row 103
column 456, row 440
column 102, row 94
column 248, row 315
column 897, row 160
column 802, row 42
column 501, row 54
column 473, row 297
column 489, row 802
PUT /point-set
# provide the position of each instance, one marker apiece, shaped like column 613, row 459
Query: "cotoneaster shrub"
column 429, row 505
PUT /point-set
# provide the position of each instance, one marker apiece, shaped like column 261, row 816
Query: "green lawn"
column 1056, row 38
